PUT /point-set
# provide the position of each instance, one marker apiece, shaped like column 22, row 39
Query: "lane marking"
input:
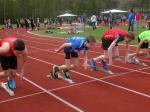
column 64, row 87
column 100, row 80
column 53, row 95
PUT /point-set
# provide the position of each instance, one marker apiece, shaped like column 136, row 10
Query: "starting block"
column 65, row 79
column 7, row 89
column 135, row 60
column 100, row 69
column 143, row 64
column 104, row 70
column 70, row 81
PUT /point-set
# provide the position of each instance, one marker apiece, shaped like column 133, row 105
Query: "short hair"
column 130, row 35
column 91, row 39
column 19, row 45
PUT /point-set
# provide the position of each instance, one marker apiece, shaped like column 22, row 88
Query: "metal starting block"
column 100, row 69
column 104, row 70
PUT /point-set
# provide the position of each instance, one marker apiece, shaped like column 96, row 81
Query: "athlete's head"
column 129, row 37
column 90, row 40
column 19, row 45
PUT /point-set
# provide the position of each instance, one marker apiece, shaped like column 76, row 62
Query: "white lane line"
column 58, row 45
column 46, row 43
column 100, row 80
column 64, row 87
column 59, row 88
column 82, row 58
column 110, row 76
column 53, row 95
column 60, row 38
column 25, row 96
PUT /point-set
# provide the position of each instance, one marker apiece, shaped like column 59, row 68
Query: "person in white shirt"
column 93, row 21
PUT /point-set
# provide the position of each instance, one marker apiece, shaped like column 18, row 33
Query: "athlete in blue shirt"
column 71, row 48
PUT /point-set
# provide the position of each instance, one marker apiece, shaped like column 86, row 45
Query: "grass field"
column 13, row 25
column 88, row 31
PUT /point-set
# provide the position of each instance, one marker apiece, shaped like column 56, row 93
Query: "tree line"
column 51, row 8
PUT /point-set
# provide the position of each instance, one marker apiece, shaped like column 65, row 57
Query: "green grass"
column 3, row 26
column 88, row 31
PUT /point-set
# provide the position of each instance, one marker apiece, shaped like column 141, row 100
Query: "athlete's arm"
column 4, row 48
column 138, row 48
column 126, row 52
column 110, row 51
column 24, row 60
column 85, row 64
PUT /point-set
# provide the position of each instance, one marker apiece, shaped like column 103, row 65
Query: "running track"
column 128, row 90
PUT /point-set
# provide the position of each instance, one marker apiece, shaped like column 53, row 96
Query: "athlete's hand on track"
column 55, row 50
column 21, row 75
column 85, row 65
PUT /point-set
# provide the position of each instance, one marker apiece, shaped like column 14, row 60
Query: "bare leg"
column 7, row 73
column 2, row 74
column 102, row 57
column 67, row 65
column 116, row 55
column 75, row 62
column 116, row 51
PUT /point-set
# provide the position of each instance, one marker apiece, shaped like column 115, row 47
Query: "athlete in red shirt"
column 110, row 40
column 10, row 49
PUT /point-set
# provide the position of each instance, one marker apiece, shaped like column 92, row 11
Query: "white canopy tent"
column 114, row 11
column 67, row 15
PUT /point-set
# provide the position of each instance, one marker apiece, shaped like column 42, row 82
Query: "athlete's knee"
column 76, row 65
column 101, row 57
column 10, row 73
column 69, row 66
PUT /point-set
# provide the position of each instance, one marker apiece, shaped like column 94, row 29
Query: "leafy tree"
column 51, row 8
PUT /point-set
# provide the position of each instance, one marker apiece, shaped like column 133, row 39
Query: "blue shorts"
column 69, row 53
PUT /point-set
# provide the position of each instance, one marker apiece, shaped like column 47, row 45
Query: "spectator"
column 9, row 23
column 6, row 23
column 26, row 24
column 32, row 24
column 17, row 22
column 137, row 19
column 131, row 18
column 22, row 22
column 124, row 19
column 45, row 22
column 110, row 20
column 93, row 21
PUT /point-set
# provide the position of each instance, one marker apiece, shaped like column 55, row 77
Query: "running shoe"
column 7, row 89
column 55, row 71
column 66, row 74
column 92, row 64
column 104, row 65
column 11, row 84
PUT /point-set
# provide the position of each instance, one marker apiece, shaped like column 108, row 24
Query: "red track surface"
column 128, row 90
